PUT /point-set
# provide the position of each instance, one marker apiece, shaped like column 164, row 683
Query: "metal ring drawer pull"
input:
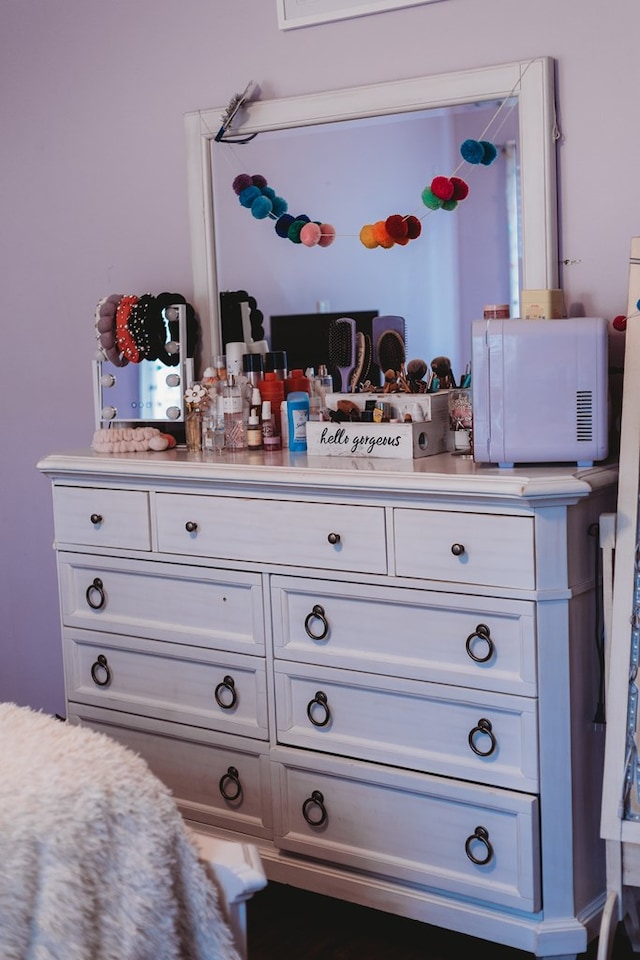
column 320, row 699
column 315, row 800
column 479, row 835
column 484, row 727
column 457, row 549
column 100, row 672
column 191, row 526
column 96, row 589
column 96, row 519
column 334, row 538
column 480, row 633
column 316, row 614
column 228, row 684
column 230, row 779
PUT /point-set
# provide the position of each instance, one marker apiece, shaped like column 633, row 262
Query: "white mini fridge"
column 539, row 391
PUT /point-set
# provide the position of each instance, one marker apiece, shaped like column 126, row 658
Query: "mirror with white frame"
column 355, row 156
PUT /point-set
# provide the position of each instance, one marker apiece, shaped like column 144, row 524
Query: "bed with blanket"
column 95, row 860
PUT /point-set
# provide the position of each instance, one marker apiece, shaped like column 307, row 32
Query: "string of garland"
column 443, row 193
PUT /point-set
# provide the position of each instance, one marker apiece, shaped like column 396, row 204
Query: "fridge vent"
column 584, row 415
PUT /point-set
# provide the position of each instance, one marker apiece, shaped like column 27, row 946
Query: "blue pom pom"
column 248, row 195
column 261, row 208
column 269, row 192
column 280, row 206
column 283, row 224
column 489, row 152
column 472, row 151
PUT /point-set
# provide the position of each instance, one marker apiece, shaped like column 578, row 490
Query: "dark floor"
column 289, row 924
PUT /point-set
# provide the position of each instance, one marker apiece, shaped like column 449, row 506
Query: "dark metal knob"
column 316, row 614
column 95, row 594
column 314, row 810
column 100, row 672
column 480, row 633
column 483, row 727
column 457, row 549
column 225, row 694
column 95, row 518
column 333, row 538
column 191, row 526
column 479, row 836
column 320, row 701
column 229, row 785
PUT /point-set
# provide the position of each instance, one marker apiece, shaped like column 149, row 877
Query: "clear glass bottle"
column 234, row 427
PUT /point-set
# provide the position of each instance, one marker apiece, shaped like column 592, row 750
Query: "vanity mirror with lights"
column 354, row 156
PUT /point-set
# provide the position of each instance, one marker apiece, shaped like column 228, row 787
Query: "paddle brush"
column 342, row 350
column 391, row 351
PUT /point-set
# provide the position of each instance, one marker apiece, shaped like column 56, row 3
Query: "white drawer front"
column 407, row 633
column 273, row 531
column 167, row 681
column 487, row 738
column 410, row 826
column 221, row 782
column 95, row 517
column 496, row 550
column 191, row 605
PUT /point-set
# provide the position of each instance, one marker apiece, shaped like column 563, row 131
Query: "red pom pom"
column 460, row 189
column 619, row 323
column 414, row 227
column 396, row 227
column 442, row 188
column 327, row 235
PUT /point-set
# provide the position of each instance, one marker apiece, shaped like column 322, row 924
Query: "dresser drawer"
column 488, row 738
column 221, row 781
column 412, row 827
column 492, row 550
column 330, row 536
column 94, row 517
column 191, row 605
column 420, row 634
column 167, row 681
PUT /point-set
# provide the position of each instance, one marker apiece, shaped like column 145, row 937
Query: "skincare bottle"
column 254, row 432
column 297, row 416
column 271, row 439
column 234, row 432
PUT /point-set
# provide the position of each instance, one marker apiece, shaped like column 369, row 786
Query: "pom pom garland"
column 255, row 194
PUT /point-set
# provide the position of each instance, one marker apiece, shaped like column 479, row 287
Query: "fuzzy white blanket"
column 95, row 861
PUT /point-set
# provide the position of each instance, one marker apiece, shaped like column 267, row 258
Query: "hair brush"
column 342, row 352
column 391, row 351
column 364, row 356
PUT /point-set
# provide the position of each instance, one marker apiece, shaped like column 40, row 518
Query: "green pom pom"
column 429, row 200
column 449, row 204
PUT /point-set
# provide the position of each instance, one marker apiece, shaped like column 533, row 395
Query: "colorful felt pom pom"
column 279, row 205
column 310, row 234
column 327, row 235
column 414, row 227
column 381, row 235
column 294, row 230
column 489, row 152
column 429, row 200
column 261, row 207
column 242, row 181
column 248, row 195
column 449, row 204
column 396, row 227
column 472, row 151
column 259, row 181
column 442, row 188
column 460, row 189
column 282, row 225
column 367, row 238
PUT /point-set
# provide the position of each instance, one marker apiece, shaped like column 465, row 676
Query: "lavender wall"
column 93, row 196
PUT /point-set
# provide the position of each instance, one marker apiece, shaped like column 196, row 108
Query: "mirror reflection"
column 359, row 171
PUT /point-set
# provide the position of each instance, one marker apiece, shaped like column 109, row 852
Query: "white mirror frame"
column 531, row 81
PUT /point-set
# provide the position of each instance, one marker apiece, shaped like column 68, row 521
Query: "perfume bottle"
column 234, row 431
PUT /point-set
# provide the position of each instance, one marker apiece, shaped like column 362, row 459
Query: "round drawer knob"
column 100, row 672
column 225, row 694
column 230, row 786
column 96, row 519
column 314, row 810
column 319, row 717
column 477, row 735
column 317, row 614
column 483, row 635
column 334, row 538
column 457, row 549
column 95, row 594
column 191, row 526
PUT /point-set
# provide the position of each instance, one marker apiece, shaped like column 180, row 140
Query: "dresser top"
column 442, row 474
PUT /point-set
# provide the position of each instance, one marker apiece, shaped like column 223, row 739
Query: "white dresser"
column 383, row 673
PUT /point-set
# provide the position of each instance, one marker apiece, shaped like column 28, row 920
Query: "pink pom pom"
column 442, row 188
column 310, row 234
column 327, row 235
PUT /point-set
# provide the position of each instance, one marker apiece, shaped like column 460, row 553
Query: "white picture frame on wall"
column 307, row 13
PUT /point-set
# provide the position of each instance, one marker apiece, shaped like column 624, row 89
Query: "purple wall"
column 93, row 196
